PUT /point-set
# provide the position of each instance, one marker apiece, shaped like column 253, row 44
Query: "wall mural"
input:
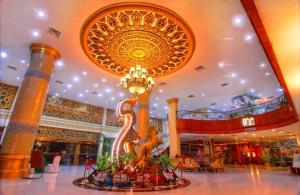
column 66, row 135
column 7, row 95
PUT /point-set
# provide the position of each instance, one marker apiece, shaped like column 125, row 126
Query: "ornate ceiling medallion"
column 126, row 34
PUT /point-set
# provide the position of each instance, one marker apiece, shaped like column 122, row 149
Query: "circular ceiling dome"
column 122, row 35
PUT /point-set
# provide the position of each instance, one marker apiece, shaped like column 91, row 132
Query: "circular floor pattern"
column 180, row 184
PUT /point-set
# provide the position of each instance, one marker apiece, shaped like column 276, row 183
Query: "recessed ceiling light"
column 252, row 90
column 112, row 98
column 69, row 86
column 118, row 85
column 41, row 13
column 18, row 78
column 223, row 109
column 242, row 81
column 202, row 94
column 225, row 104
column 80, row 94
column 103, row 80
column 108, row 90
column 3, row 54
column 99, row 94
column 160, row 90
column 56, row 94
column 35, row 33
column 95, row 85
column 262, row 65
column 59, row 63
column 248, row 37
column 155, row 104
column 64, row 91
column 237, row 20
column 84, row 73
column 267, row 73
column 166, row 107
column 121, row 94
column 86, row 91
column 76, row 79
column 233, row 75
column 221, row 64
column 23, row 61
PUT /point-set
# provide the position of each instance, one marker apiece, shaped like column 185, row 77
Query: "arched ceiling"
column 227, row 51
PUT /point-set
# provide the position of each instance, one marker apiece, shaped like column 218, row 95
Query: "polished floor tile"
column 243, row 181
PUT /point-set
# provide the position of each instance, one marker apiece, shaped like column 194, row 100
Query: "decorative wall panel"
column 58, row 134
column 72, row 110
column 112, row 119
column 7, row 95
column 157, row 123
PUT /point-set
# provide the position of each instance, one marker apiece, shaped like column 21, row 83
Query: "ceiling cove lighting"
column 137, row 81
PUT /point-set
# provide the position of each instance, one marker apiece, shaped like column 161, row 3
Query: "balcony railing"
column 242, row 112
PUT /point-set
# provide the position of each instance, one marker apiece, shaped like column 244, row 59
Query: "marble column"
column 100, row 146
column 173, row 135
column 76, row 154
column 104, row 117
column 143, row 114
column 21, row 129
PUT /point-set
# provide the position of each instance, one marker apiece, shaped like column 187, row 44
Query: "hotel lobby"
column 162, row 97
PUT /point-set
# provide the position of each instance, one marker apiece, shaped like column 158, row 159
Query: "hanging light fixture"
column 137, row 81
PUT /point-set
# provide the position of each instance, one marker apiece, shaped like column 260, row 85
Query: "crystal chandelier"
column 137, row 81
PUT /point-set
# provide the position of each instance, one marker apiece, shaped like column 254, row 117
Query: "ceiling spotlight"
column 86, row 91
column 112, row 98
column 64, row 91
column 23, row 61
column 221, row 64
column 99, row 94
column 18, row 78
column 242, row 81
column 267, row 73
column 35, row 33
column 56, row 94
column 95, row 85
column 248, row 37
column 103, row 80
column 108, row 90
column 84, row 73
column 80, row 94
column 41, row 13
column 262, row 65
column 252, row 90
column 121, row 94
column 3, row 54
column 233, row 75
column 166, row 107
column 76, row 79
column 155, row 104
column 69, row 86
column 237, row 20
column 160, row 90
column 59, row 63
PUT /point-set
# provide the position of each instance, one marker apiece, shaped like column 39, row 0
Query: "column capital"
column 44, row 48
column 172, row 101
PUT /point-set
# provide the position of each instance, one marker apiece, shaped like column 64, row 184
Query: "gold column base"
column 13, row 166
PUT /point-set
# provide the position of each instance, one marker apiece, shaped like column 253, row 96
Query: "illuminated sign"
column 248, row 121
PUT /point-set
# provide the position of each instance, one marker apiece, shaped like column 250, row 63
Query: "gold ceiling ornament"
column 124, row 34
column 137, row 81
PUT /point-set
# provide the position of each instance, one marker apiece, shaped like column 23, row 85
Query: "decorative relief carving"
column 112, row 119
column 157, row 123
column 66, row 135
column 7, row 95
column 126, row 34
column 72, row 110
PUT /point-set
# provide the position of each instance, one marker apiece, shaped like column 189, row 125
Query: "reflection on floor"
column 232, row 182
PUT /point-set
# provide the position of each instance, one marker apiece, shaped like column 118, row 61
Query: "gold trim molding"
column 122, row 35
column 44, row 48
